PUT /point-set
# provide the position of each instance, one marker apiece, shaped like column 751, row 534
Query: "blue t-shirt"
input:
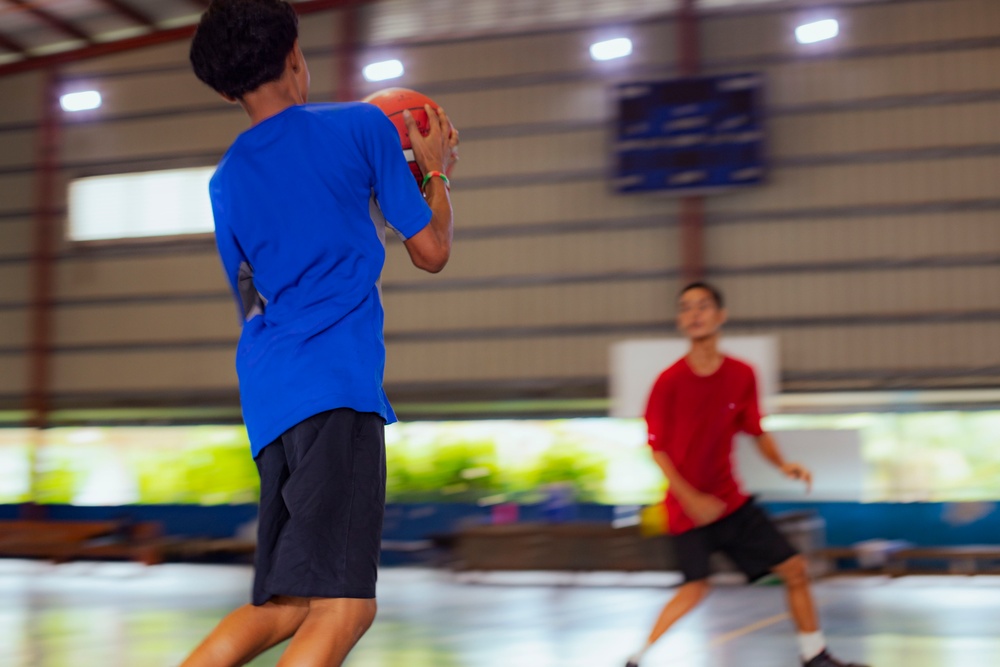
column 300, row 202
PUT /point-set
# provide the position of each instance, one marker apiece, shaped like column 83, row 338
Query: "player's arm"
column 430, row 248
column 766, row 445
column 702, row 507
column 768, row 448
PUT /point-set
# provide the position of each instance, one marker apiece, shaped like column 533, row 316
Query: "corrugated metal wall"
column 874, row 251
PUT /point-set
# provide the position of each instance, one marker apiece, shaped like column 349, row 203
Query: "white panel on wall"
column 833, row 457
column 158, row 203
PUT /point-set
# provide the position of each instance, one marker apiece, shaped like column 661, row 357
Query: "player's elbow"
column 434, row 261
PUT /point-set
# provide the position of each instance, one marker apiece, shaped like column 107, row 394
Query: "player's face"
column 698, row 317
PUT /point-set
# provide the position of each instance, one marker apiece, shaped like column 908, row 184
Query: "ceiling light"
column 387, row 69
column 817, row 31
column 611, row 49
column 82, row 101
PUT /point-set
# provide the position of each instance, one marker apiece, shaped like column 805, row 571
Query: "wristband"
column 431, row 174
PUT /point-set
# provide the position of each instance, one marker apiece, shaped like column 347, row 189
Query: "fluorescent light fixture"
column 611, row 49
column 82, row 101
column 817, row 31
column 387, row 69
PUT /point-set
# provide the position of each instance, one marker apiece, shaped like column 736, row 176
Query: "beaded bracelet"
column 431, row 174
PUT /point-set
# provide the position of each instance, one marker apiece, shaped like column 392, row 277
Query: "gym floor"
column 126, row 615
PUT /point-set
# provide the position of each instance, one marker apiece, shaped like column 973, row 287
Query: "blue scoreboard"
column 690, row 135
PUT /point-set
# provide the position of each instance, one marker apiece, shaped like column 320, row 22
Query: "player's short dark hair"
column 711, row 289
column 242, row 44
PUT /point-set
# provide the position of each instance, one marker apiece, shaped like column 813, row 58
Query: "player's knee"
column 793, row 571
column 371, row 610
column 364, row 616
column 354, row 614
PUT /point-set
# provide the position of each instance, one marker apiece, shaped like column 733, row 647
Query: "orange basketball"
column 393, row 101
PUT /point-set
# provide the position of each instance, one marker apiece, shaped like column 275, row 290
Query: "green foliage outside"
column 942, row 456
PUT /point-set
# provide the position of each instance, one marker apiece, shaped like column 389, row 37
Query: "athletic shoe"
column 824, row 659
column 631, row 664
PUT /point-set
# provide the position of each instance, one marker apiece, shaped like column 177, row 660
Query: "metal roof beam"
column 53, row 21
column 159, row 36
column 130, row 12
column 12, row 45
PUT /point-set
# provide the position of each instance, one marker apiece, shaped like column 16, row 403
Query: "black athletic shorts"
column 322, row 498
column 747, row 536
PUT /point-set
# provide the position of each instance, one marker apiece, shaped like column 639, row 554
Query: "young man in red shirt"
column 695, row 409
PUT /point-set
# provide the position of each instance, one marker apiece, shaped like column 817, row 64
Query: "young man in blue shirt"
column 301, row 201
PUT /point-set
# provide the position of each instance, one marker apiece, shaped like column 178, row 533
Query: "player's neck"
column 704, row 357
column 270, row 100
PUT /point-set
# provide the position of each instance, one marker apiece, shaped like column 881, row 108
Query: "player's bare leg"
column 800, row 601
column 329, row 632
column 249, row 631
column 687, row 598
column 803, row 610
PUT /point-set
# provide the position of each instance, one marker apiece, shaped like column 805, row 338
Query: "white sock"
column 637, row 656
column 811, row 644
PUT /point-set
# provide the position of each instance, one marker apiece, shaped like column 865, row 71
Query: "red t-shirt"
column 693, row 419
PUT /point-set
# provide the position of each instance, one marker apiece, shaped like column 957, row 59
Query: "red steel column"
column 43, row 260
column 43, row 255
column 691, row 210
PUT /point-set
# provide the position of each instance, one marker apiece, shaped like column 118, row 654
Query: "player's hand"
column 437, row 151
column 798, row 472
column 704, row 508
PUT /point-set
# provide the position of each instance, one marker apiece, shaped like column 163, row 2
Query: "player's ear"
column 723, row 316
column 296, row 60
column 229, row 98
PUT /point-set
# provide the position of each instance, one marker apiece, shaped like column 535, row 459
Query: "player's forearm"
column 678, row 485
column 442, row 219
column 769, row 450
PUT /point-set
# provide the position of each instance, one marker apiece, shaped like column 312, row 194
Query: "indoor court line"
column 748, row 629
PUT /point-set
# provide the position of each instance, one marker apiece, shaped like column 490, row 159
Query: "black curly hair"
column 242, row 44
column 715, row 293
